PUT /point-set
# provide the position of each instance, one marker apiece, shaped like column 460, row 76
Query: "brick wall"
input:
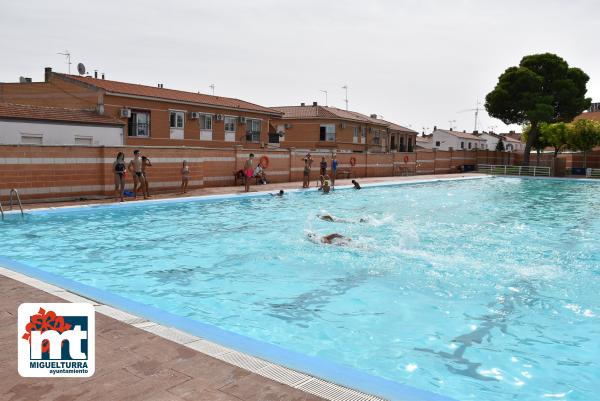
column 67, row 172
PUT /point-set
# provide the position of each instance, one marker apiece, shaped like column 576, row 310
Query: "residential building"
column 511, row 143
column 455, row 140
column 37, row 125
column 593, row 113
column 327, row 128
column 424, row 141
column 153, row 115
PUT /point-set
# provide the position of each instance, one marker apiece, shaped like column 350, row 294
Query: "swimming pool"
column 481, row 289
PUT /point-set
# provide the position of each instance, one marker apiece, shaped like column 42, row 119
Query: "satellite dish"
column 81, row 68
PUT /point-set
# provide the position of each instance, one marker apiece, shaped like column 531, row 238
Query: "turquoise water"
column 483, row 289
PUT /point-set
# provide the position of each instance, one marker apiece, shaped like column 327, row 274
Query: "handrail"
column 13, row 191
column 497, row 169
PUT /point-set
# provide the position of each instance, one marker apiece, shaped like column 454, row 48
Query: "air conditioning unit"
column 342, row 125
column 288, row 125
column 194, row 115
column 125, row 113
column 219, row 117
column 242, row 120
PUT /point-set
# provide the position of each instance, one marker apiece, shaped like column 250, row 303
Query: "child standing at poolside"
column 135, row 167
column 185, row 176
column 119, row 168
column 145, row 164
column 248, row 172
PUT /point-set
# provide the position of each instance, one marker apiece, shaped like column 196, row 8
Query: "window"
column 376, row 138
column 206, row 122
column 469, row 145
column 83, row 140
column 139, row 124
column 363, row 138
column 253, row 130
column 327, row 132
column 401, row 148
column 355, row 137
column 32, row 139
column 176, row 119
column 462, row 145
column 438, row 143
column 230, row 124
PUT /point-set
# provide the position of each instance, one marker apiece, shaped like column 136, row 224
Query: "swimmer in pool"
column 333, row 219
column 331, row 239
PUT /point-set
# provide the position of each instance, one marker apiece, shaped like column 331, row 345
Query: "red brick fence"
column 67, row 172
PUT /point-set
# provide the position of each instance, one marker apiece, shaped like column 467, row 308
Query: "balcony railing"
column 138, row 129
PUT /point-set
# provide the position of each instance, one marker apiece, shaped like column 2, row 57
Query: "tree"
column 585, row 135
column 557, row 135
column 542, row 88
column 500, row 145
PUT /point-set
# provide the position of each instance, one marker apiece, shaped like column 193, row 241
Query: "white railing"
column 592, row 172
column 533, row 171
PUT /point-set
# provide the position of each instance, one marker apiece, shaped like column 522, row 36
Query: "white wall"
column 49, row 133
column 447, row 141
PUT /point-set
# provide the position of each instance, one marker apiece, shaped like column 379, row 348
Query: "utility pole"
column 68, row 57
column 212, row 86
column 346, row 99
column 325, row 92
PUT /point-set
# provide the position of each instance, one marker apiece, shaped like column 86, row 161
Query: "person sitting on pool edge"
column 356, row 184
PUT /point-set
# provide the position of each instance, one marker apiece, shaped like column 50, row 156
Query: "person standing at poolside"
column 334, row 164
column 120, row 168
column 146, row 163
column 185, row 176
column 307, row 166
column 135, row 167
column 323, row 168
column 248, row 172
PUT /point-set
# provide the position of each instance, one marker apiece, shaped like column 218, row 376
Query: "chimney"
column 435, row 127
column 450, row 128
column 102, row 75
column 47, row 73
column 476, row 132
column 95, row 74
column 160, row 85
column 314, row 103
column 302, row 104
column 374, row 116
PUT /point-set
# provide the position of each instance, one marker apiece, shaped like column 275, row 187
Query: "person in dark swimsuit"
column 119, row 168
column 356, row 184
column 145, row 164
column 135, row 167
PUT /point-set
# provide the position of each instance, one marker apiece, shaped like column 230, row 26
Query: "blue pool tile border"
column 313, row 366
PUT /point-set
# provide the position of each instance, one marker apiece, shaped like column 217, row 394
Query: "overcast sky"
column 416, row 63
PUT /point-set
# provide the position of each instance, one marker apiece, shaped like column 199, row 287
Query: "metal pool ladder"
column 13, row 192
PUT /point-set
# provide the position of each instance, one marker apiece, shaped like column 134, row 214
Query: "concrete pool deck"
column 232, row 190
column 135, row 363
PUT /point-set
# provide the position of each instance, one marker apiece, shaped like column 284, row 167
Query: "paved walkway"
column 131, row 364
column 254, row 188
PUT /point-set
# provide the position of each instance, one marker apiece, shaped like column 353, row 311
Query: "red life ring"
column 264, row 161
column 353, row 161
column 406, row 159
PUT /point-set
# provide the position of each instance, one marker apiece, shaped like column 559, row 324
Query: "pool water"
column 483, row 289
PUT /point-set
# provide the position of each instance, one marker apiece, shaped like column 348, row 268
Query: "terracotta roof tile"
column 27, row 112
column 169, row 94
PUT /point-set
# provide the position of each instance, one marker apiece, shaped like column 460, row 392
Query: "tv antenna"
column 212, row 87
column 325, row 92
column 452, row 124
column 476, row 110
column 68, row 59
column 81, row 68
column 346, row 99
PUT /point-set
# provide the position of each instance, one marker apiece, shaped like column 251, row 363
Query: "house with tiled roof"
column 330, row 128
column 39, row 125
column 154, row 115
column 456, row 140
